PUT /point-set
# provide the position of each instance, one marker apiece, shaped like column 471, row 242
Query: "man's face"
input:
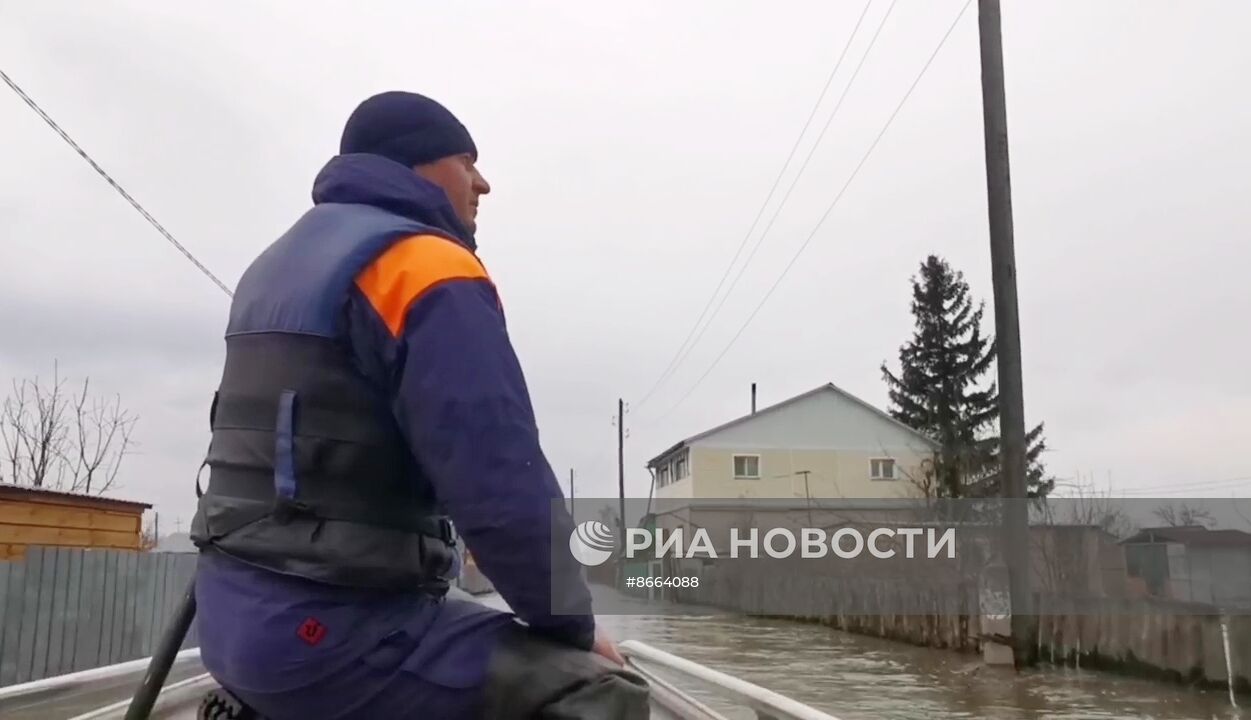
column 462, row 183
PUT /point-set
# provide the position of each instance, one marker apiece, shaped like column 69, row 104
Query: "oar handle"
column 163, row 659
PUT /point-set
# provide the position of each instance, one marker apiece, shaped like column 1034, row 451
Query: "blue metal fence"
column 67, row 609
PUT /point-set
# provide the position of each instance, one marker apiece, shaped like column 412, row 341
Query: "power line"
column 824, row 216
column 679, row 355
column 65, row 136
column 1187, row 485
column 794, row 181
column 1194, row 486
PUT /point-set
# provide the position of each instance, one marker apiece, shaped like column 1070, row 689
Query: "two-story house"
column 825, row 443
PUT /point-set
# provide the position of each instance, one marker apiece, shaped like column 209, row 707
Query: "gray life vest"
column 309, row 472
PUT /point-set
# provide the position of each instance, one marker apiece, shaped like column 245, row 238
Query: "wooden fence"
column 67, row 609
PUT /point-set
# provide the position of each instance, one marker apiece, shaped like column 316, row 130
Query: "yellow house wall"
column 832, row 474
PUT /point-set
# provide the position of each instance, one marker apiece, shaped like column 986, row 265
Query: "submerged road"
column 860, row 678
column 849, row 676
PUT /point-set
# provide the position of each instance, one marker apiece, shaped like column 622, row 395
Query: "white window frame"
column 683, row 461
column 662, row 475
column 734, row 466
column 894, row 469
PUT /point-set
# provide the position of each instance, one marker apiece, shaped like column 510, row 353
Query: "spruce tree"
column 939, row 390
column 1038, row 483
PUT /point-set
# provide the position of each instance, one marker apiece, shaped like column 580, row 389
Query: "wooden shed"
column 32, row 516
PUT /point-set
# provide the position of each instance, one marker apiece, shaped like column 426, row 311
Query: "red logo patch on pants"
column 311, row 631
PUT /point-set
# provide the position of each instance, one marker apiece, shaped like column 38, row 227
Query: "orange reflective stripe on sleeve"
column 408, row 269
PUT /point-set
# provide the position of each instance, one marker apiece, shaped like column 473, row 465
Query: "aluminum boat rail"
column 55, row 697
column 86, row 677
column 767, row 704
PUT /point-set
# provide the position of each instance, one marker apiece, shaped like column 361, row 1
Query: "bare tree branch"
column 1063, row 554
column 46, row 435
column 81, row 459
column 120, row 426
column 12, row 420
column 1184, row 516
column 148, row 536
column 67, row 442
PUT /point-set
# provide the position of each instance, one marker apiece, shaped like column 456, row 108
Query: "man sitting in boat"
column 370, row 387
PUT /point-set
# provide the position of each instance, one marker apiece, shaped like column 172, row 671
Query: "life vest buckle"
column 285, row 510
column 446, row 533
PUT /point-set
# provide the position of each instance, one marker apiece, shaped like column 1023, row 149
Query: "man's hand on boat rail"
column 605, row 646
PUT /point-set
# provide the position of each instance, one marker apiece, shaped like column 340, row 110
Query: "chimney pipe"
column 753, row 398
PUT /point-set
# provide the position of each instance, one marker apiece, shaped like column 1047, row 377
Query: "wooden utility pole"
column 1007, row 330
column 621, row 482
column 621, row 462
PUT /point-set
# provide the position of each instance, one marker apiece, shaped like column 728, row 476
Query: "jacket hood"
column 385, row 184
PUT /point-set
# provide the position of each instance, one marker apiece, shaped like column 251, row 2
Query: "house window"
column 679, row 468
column 747, row 467
column 662, row 477
column 882, row 469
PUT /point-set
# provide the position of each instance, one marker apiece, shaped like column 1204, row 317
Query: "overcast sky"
column 630, row 146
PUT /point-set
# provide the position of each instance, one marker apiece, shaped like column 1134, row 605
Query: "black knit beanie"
column 408, row 128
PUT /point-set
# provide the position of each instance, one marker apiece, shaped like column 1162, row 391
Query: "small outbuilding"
column 34, row 516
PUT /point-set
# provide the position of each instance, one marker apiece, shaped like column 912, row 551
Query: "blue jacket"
column 425, row 319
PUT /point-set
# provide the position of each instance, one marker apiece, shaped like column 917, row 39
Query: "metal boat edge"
column 180, row 700
column 767, row 704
